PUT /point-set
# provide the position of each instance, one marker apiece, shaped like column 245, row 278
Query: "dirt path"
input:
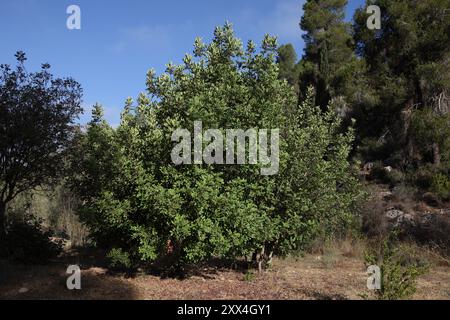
column 311, row 277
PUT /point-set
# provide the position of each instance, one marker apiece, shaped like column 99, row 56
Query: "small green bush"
column 371, row 149
column 434, row 179
column 382, row 175
column 400, row 267
column 395, row 177
column 428, row 129
column 422, row 177
column 119, row 259
column 249, row 276
column 440, row 185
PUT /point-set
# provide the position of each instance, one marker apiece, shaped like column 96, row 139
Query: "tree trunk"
column 261, row 260
column 2, row 226
column 436, row 155
column 270, row 259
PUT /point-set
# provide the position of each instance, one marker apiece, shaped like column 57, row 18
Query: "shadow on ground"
column 207, row 270
column 49, row 283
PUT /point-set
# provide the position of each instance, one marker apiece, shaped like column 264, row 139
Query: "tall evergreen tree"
column 408, row 69
column 288, row 65
column 329, row 59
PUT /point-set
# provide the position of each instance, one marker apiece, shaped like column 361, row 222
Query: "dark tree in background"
column 287, row 62
column 329, row 50
column 37, row 115
column 409, row 74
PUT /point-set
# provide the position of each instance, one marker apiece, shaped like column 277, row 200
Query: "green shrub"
column 395, row 177
column 137, row 199
column 372, row 149
column 381, row 174
column 429, row 128
column 433, row 179
column 378, row 173
column 119, row 260
column 249, row 276
column 400, row 267
column 440, row 185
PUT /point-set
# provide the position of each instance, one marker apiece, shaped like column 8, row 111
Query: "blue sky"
column 120, row 40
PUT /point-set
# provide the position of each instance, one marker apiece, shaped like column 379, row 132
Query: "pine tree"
column 329, row 58
column 408, row 68
column 288, row 65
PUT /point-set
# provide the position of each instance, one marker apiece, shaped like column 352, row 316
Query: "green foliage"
column 136, row 199
column 317, row 160
column 37, row 115
column 288, row 66
column 400, row 267
column 440, row 185
column 56, row 207
column 329, row 63
column 428, row 129
column 407, row 69
column 383, row 175
column 434, row 179
column 119, row 259
column 27, row 242
column 249, row 276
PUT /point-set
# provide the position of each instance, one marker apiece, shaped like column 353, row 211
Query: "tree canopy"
column 329, row 62
column 138, row 202
column 37, row 114
column 407, row 71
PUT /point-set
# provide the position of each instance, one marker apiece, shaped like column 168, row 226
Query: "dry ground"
column 311, row 277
